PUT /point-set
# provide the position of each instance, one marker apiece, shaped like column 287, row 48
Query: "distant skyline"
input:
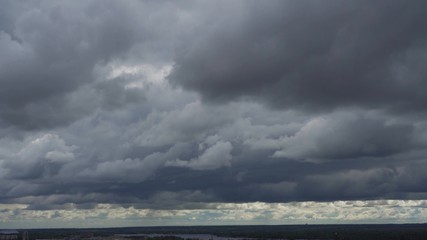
column 151, row 113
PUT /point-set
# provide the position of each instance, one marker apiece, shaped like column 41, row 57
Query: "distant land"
column 344, row 232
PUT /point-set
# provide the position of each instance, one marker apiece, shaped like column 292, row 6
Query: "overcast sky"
column 127, row 113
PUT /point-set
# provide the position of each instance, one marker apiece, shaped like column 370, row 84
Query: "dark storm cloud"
column 91, row 81
column 309, row 54
column 50, row 50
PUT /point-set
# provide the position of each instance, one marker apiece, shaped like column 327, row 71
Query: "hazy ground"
column 365, row 232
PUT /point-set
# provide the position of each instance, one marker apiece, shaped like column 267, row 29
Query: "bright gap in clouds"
column 148, row 74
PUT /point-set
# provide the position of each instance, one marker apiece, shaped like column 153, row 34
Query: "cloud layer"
column 165, row 106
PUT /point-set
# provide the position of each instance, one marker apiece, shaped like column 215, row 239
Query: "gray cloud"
column 310, row 55
column 215, row 156
column 50, row 50
column 165, row 105
column 343, row 136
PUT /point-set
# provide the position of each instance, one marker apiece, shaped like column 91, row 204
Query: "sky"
column 142, row 113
